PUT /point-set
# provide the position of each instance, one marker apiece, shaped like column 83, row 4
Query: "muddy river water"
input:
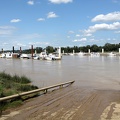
column 93, row 72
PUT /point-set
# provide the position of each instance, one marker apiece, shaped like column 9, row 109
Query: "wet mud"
column 70, row 103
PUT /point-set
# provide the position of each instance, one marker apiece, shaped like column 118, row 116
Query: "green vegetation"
column 108, row 47
column 94, row 48
column 10, row 85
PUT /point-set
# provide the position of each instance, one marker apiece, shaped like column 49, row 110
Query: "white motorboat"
column 111, row 54
column 42, row 55
column 80, row 54
column 2, row 55
column 94, row 54
column 35, row 57
column 24, row 56
column 8, row 55
column 52, row 56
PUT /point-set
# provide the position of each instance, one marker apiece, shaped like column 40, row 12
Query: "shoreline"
column 70, row 103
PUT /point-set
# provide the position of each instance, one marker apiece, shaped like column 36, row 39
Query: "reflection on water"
column 95, row 72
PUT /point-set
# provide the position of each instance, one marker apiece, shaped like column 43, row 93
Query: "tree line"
column 108, row 47
column 94, row 48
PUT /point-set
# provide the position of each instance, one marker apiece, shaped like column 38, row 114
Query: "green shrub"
column 10, row 85
column 25, row 80
column 22, row 79
column 10, row 92
column 14, row 104
column 5, row 75
column 24, row 88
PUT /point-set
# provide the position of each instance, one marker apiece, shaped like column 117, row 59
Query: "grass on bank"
column 10, row 85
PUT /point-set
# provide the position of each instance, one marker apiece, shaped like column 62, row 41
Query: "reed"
column 10, row 85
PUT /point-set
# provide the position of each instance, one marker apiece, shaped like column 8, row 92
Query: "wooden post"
column 32, row 51
column 20, row 50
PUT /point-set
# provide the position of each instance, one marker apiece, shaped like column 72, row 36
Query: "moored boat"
column 24, row 56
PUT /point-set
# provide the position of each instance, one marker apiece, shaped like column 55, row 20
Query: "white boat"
column 2, row 55
column 8, row 55
column 94, row 54
column 54, row 56
column 48, row 58
column 80, row 54
column 42, row 55
column 35, row 57
column 71, row 54
column 111, row 54
column 24, row 56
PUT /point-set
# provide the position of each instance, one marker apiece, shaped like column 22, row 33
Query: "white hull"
column 24, row 56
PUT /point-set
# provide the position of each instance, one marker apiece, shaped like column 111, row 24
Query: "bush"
column 24, row 88
column 25, row 80
column 10, row 85
column 14, row 104
column 5, row 75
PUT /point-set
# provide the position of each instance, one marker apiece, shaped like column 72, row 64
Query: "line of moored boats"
column 43, row 55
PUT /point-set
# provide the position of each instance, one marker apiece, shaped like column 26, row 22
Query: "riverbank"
column 10, row 85
column 71, row 103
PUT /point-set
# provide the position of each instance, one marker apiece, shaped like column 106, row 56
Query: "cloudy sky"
column 58, row 23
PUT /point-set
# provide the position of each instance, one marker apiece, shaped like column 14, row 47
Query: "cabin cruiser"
column 54, row 56
column 42, row 55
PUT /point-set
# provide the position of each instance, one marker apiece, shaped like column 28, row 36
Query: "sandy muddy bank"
column 71, row 103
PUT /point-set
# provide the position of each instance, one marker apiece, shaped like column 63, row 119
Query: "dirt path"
column 71, row 103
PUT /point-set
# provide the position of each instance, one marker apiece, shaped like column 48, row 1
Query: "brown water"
column 94, row 72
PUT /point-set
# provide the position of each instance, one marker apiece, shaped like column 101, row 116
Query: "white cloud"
column 15, row 20
column 30, row 2
column 114, row 16
column 117, row 31
column 93, row 40
column 5, row 43
column 51, row 15
column 40, row 19
column 68, row 36
column 77, row 35
column 104, row 26
column 60, row 1
column 30, row 36
column 38, row 43
column 6, row 30
column 20, row 44
column 80, row 40
column 115, row 1
column 71, row 32
column 88, row 35
column 108, row 39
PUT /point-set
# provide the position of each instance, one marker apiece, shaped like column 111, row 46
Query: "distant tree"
column 94, row 48
column 50, row 49
column 39, row 49
column 110, row 47
column 85, row 48
column 76, row 48
column 68, row 50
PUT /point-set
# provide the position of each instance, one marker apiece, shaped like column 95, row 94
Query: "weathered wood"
column 35, row 91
